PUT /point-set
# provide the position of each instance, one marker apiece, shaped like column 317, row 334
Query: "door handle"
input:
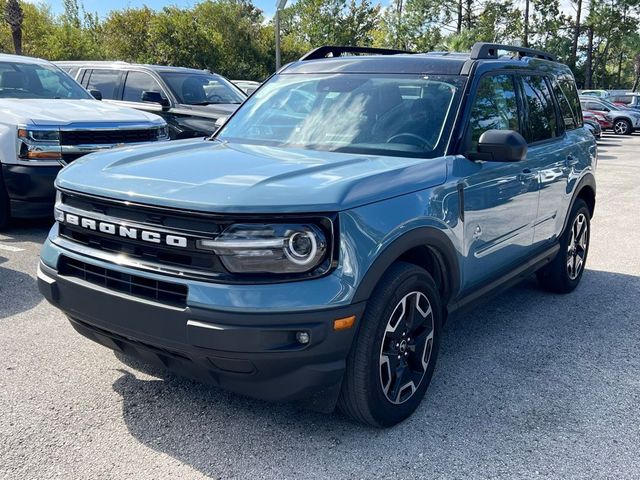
column 570, row 161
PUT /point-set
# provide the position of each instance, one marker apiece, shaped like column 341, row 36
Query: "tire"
column 564, row 273
column 5, row 211
column 622, row 126
column 371, row 393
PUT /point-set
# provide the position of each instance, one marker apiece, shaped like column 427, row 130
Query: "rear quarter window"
column 570, row 116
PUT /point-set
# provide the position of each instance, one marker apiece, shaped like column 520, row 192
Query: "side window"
column 568, row 86
column 494, row 107
column 541, row 111
column 595, row 106
column 107, row 81
column 138, row 82
column 569, row 116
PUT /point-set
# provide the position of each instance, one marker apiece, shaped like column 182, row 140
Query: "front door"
column 500, row 198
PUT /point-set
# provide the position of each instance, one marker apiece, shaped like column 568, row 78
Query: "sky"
column 103, row 7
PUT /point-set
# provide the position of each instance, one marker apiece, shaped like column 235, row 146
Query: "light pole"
column 279, row 6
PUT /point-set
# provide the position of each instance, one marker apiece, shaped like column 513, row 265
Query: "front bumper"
column 30, row 189
column 251, row 353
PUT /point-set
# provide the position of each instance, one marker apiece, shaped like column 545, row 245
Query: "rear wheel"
column 622, row 127
column 563, row 274
column 392, row 361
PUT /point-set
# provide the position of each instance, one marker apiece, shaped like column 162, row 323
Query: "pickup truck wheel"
column 622, row 127
column 563, row 274
column 392, row 360
column 5, row 212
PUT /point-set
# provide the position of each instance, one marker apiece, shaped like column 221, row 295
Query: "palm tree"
column 14, row 16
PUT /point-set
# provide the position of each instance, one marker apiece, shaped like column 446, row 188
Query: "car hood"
column 65, row 112
column 213, row 176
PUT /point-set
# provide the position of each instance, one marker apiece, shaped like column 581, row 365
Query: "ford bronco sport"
column 313, row 248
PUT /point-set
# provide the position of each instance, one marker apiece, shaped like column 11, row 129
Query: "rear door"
column 550, row 152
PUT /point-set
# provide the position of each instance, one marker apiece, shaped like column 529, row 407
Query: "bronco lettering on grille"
column 133, row 233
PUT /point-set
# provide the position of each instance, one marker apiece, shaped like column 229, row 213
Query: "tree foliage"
column 599, row 39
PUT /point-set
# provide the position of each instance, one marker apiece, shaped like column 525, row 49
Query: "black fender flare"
column 588, row 180
column 429, row 237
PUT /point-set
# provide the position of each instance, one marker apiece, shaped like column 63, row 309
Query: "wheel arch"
column 585, row 190
column 426, row 247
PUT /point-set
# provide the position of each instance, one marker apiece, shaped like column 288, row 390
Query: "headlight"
column 36, row 144
column 270, row 248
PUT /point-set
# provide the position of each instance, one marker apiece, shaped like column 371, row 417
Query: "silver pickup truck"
column 47, row 120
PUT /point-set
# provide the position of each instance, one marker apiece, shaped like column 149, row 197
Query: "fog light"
column 302, row 338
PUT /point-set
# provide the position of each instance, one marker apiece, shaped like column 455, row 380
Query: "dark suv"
column 193, row 102
column 314, row 247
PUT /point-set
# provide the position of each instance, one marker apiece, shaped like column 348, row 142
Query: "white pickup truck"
column 48, row 120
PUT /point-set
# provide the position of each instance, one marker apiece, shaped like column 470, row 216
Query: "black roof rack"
column 482, row 50
column 336, row 51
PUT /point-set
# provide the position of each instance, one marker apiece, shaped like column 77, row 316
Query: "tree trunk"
column 17, row 40
column 603, row 66
column 576, row 36
column 525, row 40
column 400, row 7
column 469, row 8
column 620, row 60
column 459, row 24
column 587, row 63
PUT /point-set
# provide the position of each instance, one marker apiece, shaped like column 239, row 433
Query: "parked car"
column 191, row 101
column 594, row 128
column 624, row 120
column 48, row 120
column 247, row 86
column 595, row 93
column 631, row 100
column 603, row 121
column 316, row 250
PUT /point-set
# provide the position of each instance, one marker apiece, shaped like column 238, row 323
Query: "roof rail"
column 482, row 50
column 336, row 51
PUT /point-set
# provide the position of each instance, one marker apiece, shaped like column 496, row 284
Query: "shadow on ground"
column 26, row 230
column 18, row 291
column 523, row 374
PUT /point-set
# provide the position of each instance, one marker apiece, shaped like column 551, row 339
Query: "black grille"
column 106, row 137
column 190, row 258
column 159, row 291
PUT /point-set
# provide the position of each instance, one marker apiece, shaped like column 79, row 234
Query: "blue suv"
column 314, row 246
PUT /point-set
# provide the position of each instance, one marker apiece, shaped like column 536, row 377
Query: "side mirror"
column 501, row 146
column 155, row 97
column 97, row 94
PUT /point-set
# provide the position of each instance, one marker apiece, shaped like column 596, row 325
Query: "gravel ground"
column 530, row 385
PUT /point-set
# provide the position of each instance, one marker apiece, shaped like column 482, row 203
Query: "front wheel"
column 392, row 361
column 563, row 274
column 622, row 127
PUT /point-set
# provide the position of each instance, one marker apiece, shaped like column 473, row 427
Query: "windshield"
column 400, row 115
column 610, row 105
column 202, row 88
column 28, row 80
